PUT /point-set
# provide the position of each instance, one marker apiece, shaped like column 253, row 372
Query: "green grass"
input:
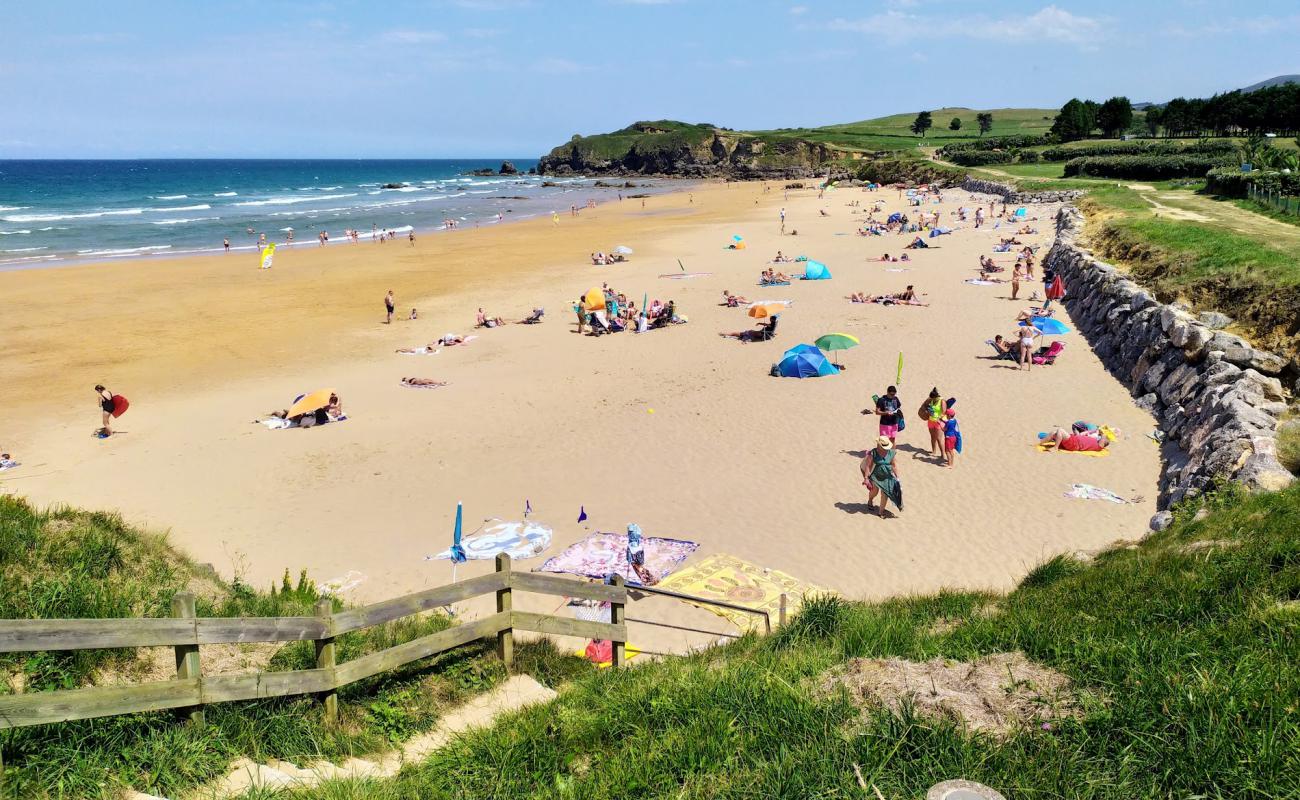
column 66, row 563
column 1183, row 659
column 892, row 132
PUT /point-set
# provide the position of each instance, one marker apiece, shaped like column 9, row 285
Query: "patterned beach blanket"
column 734, row 580
column 518, row 539
column 603, row 554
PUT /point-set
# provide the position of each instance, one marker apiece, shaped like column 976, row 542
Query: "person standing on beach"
column 931, row 412
column 782, row 220
column 1016, row 275
column 388, row 305
column 1028, row 334
column 880, row 476
column 105, row 398
column 887, row 408
column 411, row 236
column 951, row 437
column 226, row 243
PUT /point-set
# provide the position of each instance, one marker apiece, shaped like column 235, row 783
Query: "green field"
column 892, row 133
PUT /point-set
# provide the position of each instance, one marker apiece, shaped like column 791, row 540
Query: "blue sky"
column 442, row 78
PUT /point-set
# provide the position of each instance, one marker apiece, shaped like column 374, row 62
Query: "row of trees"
column 1274, row 109
column 925, row 121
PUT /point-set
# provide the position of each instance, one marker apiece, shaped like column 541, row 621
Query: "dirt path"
column 1191, row 207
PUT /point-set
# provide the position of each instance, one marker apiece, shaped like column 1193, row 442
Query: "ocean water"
column 55, row 212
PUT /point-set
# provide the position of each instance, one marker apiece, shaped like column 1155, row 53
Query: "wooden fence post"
column 616, row 616
column 187, row 655
column 781, row 611
column 325, row 656
column 505, row 603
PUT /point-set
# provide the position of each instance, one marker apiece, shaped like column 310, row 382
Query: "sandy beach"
column 678, row 430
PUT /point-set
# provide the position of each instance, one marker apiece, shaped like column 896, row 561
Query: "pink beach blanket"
column 603, row 554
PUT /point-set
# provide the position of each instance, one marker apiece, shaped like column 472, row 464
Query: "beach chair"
column 1010, row 355
column 533, row 318
column 769, row 332
column 1047, row 355
column 597, row 327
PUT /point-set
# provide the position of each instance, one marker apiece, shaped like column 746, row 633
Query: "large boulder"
column 507, row 168
column 1215, row 320
column 1261, row 360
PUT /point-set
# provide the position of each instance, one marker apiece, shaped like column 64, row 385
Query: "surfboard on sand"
column 120, row 405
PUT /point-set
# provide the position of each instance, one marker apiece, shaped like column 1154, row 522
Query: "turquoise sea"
column 54, row 212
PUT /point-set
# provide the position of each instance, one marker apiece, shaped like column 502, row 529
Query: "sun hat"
column 883, row 442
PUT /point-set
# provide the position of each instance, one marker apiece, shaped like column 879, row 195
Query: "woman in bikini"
column 1028, row 335
column 106, row 406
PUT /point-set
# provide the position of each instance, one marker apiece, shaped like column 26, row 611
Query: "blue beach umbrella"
column 1049, row 326
column 457, row 551
column 805, row 361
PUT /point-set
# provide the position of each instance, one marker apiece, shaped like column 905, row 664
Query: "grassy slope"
column 76, row 564
column 1184, row 658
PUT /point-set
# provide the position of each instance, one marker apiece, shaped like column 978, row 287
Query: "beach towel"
column 9, row 463
column 601, row 555
column 978, row 282
column 681, row 275
column 602, row 653
column 517, row 539
column 774, row 283
column 1042, row 448
column 1084, row 491
column 733, row 580
column 422, row 351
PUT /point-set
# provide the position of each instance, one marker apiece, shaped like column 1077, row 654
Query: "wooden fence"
column 190, row 691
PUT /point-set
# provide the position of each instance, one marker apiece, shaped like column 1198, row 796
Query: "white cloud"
column 1049, row 24
column 413, row 37
column 557, row 66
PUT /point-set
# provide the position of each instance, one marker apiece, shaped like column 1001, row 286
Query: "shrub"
column 1029, row 157
column 908, row 170
column 1143, row 167
column 1207, row 147
column 992, row 143
column 980, row 158
column 1232, row 182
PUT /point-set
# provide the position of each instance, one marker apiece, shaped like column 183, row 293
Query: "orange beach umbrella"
column 762, row 312
column 310, row 402
column 594, row 300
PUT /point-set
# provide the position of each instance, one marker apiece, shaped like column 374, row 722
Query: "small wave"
column 225, row 194
column 183, row 220
column 124, row 251
column 51, row 228
column 199, row 207
column 170, row 196
column 285, row 201
column 23, row 250
column 13, row 208
column 14, row 233
column 329, row 188
column 57, row 217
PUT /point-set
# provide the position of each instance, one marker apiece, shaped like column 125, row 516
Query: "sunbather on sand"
column 484, row 321
column 764, row 332
column 1027, row 314
column 451, row 339
column 781, row 259
column 421, row 383
column 861, row 297
column 1089, row 441
column 733, row 300
column 418, row 351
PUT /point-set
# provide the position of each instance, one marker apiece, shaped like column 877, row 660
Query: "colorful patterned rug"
column 603, row 554
column 519, row 539
column 733, row 580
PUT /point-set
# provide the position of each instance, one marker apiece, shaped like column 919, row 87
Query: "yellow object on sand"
column 762, row 312
column 733, row 580
column 310, row 402
column 629, row 652
column 595, row 300
column 1042, row 448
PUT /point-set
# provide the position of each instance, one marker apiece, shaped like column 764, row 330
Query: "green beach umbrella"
column 837, row 341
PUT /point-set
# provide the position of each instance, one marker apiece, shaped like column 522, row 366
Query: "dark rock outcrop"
column 507, row 168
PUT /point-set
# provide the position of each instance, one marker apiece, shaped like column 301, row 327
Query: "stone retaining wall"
column 1013, row 195
column 1216, row 397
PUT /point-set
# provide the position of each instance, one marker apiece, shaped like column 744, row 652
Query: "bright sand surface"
column 678, row 429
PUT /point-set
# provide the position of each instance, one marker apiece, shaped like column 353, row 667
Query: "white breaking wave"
column 57, row 217
column 124, row 251
column 14, row 233
column 170, row 196
column 286, row 201
column 199, row 207
column 225, row 194
column 183, row 220
column 13, row 208
column 23, row 250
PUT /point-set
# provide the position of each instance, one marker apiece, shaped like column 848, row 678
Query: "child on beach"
column 951, row 437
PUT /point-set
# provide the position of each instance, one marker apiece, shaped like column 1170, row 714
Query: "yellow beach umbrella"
column 310, row 402
column 595, row 300
column 762, row 312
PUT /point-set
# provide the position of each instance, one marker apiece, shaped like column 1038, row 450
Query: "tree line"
column 1273, row 109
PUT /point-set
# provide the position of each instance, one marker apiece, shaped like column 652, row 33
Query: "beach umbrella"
column 837, row 341
column 310, row 402
column 805, row 361
column 457, row 550
column 594, row 300
column 763, row 312
column 1049, row 326
column 736, row 237
column 623, row 250
column 1056, row 290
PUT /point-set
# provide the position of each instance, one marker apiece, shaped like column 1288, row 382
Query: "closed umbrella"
column 310, row 402
column 623, row 250
column 837, row 341
column 1056, row 290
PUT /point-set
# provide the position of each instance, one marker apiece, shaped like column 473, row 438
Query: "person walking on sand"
column 1028, row 334
column 388, row 306
column 411, row 236
column 105, row 398
column 931, row 412
column 581, row 308
column 782, row 220
column 1016, row 275
column 880, row 476
column 888, row 408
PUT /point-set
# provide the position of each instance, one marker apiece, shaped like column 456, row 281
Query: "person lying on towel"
column 1086, row 441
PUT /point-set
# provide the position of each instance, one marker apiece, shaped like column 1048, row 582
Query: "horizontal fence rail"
column 191, row 690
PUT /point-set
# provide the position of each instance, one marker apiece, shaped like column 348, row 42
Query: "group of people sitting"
column 605, row 259
column 907, row 297
column 896, row 259
column 620, row 313
column 770, row 277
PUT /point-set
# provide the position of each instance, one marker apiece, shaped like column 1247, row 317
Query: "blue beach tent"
column 816, row 271
column 805, row 361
